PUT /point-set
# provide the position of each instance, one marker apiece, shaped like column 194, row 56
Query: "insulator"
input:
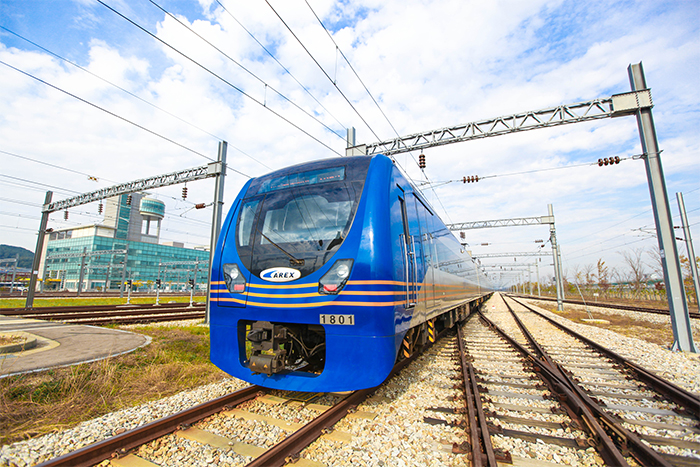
column 421, row 161
column 99, row 208
column 477, row 178
column 128, row 199
column 200, row 206
column 184, row 192
column 464, row 179
column 617, row 159
column 65, row 215
column 600, row 162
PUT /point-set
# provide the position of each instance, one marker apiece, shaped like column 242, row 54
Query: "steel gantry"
column 637, row 102
column 617, row 105
column 213, row 169
column 519, row 221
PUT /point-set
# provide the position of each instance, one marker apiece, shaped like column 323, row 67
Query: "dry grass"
column 620, row 323
column 10, row 339
column 35, row 404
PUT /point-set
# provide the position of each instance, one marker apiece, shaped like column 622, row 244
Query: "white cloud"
column 428, row 63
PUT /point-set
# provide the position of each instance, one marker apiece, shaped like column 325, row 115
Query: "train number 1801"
column 337, row 319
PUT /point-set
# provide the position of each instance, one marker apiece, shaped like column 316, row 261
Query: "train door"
column 408, row 247
column 427, row 242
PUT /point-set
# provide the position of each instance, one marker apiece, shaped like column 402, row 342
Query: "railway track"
column 644, row 420
column 253, row 426
column 657, row 311
column 112, row 314
column 476, row 398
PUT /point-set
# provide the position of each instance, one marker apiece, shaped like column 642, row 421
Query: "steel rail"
column 289, row 448
column 637, row 449
column 679, row 395
column 89, row 308
column 141, row 319
column 116, row 313
column 293, row 444
column 479, row 435
column 606, row 447
column 606, row 305
column 97, row 452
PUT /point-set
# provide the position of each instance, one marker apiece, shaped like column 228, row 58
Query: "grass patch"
column 36, row 404
column 621, row 324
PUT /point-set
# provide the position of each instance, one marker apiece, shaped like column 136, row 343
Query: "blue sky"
column 429, row 64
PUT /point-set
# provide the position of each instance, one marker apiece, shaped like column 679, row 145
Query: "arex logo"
column 280, row 274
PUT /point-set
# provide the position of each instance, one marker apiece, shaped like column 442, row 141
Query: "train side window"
column 245, row 222
column 404, row 218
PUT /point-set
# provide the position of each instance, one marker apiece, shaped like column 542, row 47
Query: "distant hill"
column 25, row 256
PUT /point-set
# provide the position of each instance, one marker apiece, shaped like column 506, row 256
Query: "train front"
column 288, row 307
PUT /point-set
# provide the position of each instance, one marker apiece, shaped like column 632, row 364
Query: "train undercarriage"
column 278, row 348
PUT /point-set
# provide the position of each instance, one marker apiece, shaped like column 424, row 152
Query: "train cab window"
column 298, row 227
column 312, row 217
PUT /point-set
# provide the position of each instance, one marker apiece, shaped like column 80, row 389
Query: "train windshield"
column 297, row 221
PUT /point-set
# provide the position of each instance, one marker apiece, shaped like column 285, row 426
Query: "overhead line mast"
column 637, row 102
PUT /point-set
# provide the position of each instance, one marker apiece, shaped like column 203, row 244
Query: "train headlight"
column 234, row 279
column 334, row 280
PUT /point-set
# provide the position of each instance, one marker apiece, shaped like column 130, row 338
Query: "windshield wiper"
column 293, row 261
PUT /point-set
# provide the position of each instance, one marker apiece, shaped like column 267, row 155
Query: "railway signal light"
column 472, row 179
column 421, row 161
column 157, row 282
column 128, row 283
column 608, row 161
column 191, row 282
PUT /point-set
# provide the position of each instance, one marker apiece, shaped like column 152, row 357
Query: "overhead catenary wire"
column 114, row 114
column 92, row 177
column 262, row 104
column 321, row 68
column 526, row 172
column 65, row 190
column 267, row 86
column 338, row 50
column 280, row 64
column 50, row 165
column 218, row 138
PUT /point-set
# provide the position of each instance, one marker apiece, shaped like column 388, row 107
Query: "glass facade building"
column 72, row 256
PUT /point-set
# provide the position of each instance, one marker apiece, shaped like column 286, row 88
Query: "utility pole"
column 556, row 253
column 37, row 252
column 689, row 246
column 216, row 214
column 680, row 320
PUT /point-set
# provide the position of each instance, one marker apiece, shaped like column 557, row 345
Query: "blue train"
column 329, row 272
